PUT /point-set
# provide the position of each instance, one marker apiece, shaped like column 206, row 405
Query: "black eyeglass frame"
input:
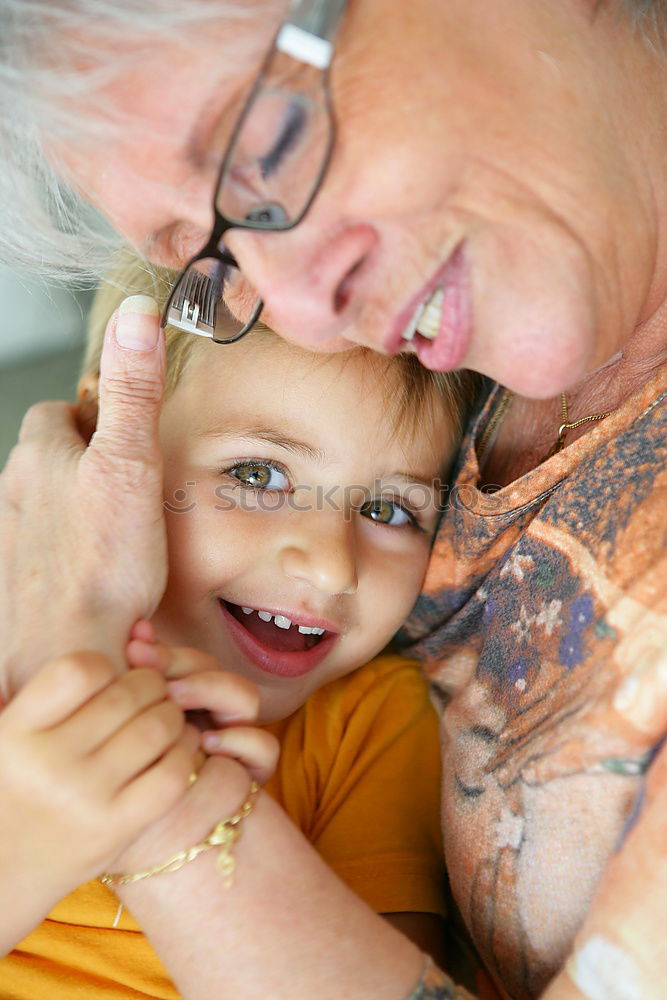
column 222, row 224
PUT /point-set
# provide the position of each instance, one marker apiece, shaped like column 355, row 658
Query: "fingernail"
column 136, row 329
column 601, row 970
column 637, row 696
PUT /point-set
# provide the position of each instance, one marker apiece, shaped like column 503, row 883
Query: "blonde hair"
column 410, row 391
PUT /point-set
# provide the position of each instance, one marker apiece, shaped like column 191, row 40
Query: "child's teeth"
column 283, row 622
column 428, row 324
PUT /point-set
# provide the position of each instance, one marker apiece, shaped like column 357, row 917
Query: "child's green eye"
column 260, row 476
column 384, row 511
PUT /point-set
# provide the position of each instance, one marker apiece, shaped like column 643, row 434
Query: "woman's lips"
column 452, row 301
column 437, row 323
column 280, row 663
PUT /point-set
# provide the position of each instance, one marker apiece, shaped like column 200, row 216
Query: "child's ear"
column 87, row 400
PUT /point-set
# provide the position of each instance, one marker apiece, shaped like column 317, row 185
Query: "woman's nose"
column 321, row 552
column 311, row 282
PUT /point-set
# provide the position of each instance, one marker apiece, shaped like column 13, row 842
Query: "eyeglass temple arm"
column 309, row 32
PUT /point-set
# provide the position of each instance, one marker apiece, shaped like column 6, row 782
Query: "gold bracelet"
column 223, row 835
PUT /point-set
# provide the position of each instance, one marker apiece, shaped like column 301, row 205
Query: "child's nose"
column 322, row 553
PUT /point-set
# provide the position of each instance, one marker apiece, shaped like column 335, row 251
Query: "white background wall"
column 41, row 336
column 36, row 321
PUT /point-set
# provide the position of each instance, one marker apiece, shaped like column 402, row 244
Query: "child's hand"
column 212, row 697
column 87, row 760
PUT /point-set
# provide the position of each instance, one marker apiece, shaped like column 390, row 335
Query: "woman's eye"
column 386, row 512
column 294, row 119
column 260, row 476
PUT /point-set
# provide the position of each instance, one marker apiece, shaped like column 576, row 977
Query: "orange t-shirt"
column 358, row 774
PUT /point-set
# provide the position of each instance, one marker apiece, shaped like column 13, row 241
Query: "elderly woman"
column 494, row 197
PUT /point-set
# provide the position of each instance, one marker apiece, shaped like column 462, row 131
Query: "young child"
column 301, row 497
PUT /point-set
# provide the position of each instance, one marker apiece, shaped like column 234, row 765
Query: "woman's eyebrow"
column 268, row 436
column 215, row 122
column 196, row 149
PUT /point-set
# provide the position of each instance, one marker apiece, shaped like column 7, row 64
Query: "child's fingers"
column 113, row 707
column 256, row 749
column 154, row 792
column 139, row 744
column 172, row 661
column 228, row 697
column 190, row 740
column 58, row 690
column 143, row 631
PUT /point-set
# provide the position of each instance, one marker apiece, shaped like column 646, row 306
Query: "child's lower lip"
column 271, row 661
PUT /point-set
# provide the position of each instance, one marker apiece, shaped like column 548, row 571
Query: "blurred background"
column 41, row 342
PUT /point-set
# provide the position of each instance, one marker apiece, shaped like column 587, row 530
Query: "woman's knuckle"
column 131, row 474
column 133, row 390
column 25, row 459
column 33, row 419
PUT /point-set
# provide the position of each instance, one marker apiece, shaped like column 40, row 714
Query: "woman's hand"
column 82, row 535
column 220, row 704
column 87, row 761
column 620, row 951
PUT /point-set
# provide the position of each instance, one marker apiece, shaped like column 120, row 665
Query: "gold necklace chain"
column 567, row 426
column 501, row 411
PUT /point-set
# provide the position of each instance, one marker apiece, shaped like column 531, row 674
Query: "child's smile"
column 285, row 644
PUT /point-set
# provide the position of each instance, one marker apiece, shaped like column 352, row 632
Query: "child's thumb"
column 131, row 382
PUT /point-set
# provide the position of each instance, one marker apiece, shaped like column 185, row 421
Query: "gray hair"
column 45, row 67
column 46, row 227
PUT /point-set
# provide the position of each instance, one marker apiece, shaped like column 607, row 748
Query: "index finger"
column 173, row 661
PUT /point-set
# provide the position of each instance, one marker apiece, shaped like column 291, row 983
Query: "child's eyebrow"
column 430, row 482
column 268, row 436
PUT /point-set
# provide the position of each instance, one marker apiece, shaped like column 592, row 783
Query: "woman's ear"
column 87, row 400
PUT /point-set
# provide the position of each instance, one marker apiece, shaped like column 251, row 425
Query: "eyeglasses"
column 273, row 167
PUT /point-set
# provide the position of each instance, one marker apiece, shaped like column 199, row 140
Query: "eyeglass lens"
column 213, row 299
column 277, row 156
column 272, row 169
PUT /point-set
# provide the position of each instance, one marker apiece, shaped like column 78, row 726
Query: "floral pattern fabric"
column 539, row 599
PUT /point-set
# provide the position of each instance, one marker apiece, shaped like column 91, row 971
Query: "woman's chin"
column 536, row 322
column 534, row 358
column 536, row 378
